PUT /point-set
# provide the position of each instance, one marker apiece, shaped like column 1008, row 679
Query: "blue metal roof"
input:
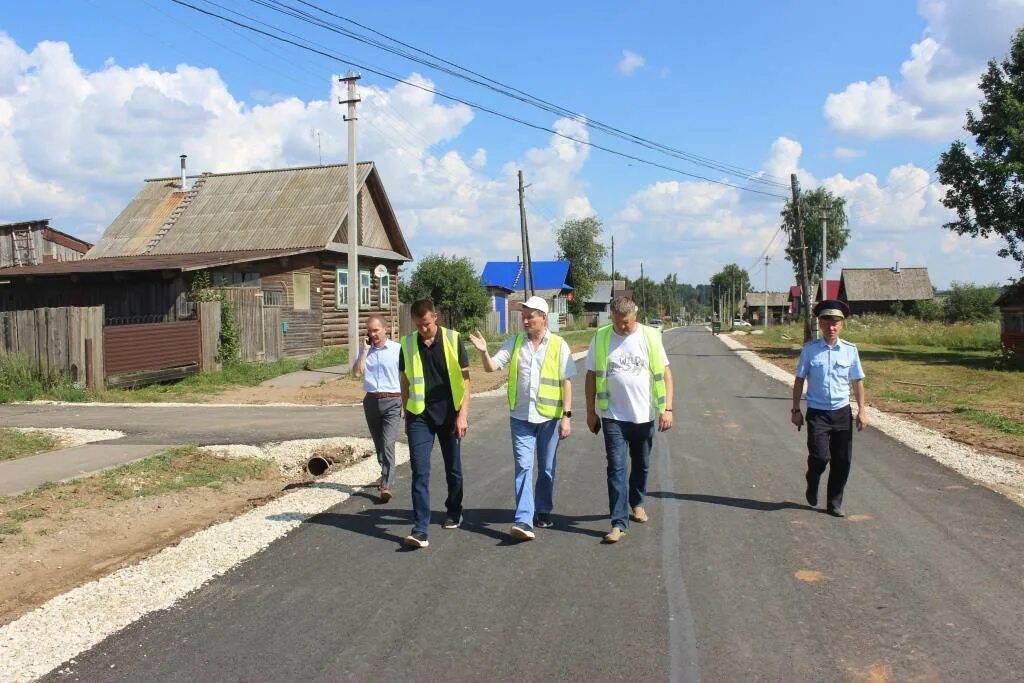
column 510, row 275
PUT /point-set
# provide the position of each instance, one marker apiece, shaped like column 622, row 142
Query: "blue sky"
column 96, row 95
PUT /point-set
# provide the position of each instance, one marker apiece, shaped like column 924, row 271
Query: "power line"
column 471, row 76
column 468, row 103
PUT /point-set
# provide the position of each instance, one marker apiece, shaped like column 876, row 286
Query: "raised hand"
column 478, row 341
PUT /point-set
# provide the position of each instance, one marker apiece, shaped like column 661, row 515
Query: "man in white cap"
column 540, row 375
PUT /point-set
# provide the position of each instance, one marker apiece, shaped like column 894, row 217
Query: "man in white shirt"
column 377, row 364
column 628, row 388
column 541, row 369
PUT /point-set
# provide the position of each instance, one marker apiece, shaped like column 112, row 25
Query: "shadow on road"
column 744, row 503
column 380, row 522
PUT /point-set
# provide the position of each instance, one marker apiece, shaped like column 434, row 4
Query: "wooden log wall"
column 335, row 321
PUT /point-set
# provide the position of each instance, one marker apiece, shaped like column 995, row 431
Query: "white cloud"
column 939, row 81
column 75, row 146
column 629, row 63
column 847, row 153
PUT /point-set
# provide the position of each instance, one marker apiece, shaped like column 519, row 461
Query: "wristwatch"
column 568, row 414
column 795, row 411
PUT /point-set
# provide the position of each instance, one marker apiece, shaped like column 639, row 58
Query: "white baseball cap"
column 537, row 304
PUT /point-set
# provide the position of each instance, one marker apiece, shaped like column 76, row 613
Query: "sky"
column 860, row 98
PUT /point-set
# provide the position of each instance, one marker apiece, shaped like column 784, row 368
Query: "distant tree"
column 986, row 187
column 732, row 282
column 452, row 282
column 816, row 206
column 971, row 303
column 579, row 242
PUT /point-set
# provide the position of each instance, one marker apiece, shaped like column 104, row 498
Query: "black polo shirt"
column 440, row 407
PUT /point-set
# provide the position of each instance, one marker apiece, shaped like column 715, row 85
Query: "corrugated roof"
column 291, row 208
column 181, row 262
column 774, row 298
column 546, row 275
column 886, row 284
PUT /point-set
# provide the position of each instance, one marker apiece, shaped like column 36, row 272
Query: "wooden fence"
column 58, row 341
column 259, row 326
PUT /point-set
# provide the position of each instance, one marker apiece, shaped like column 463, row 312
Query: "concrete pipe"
column 318, row 465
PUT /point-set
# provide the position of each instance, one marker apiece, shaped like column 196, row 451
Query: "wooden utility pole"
column 353, row 221
column 806, row 295
column 527, row 263
column 766, row 292
column 643, row 298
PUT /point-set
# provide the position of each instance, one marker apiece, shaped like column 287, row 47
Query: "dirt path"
column 57, row 552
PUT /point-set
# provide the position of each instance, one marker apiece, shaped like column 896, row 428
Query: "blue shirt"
column 828, row 371
column 381, row 370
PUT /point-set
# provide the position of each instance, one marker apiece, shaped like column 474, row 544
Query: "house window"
column 364, row 289
column 273, row 297
column 341, row 288
column 300, row 292
column 385, row 292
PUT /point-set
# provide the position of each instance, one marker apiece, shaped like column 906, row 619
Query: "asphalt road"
column 733, row 579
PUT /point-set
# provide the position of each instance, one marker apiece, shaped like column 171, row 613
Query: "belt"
column 384, row 394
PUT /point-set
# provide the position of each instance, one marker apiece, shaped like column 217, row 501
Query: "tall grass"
column 884, row 330
column 19, row 381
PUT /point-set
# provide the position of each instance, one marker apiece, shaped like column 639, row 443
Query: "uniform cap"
column 537, row 304
column 831, row 308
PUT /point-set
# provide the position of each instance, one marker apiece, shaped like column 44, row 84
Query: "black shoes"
column 452, row 523
column 543, row 521
column 835, row 512
column 812, row 492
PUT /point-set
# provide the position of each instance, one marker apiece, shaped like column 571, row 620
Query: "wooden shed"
column 880, row 290
column 1011, row 311
column 30, row 243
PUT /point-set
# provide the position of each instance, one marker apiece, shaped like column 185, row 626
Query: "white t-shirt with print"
column 629, row 377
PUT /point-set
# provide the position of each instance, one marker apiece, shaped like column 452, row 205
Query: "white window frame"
column 385, row 291
column 340, row 289
column 364, row 288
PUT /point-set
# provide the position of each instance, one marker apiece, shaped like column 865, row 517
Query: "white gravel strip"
column 72, row 623
column 69, row 438
column 999, row 474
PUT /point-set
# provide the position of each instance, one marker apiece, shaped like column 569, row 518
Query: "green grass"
column 904, row 396
column 992, row 421
column 19, row 381
column 232, row 375
column 177, row 469
column 15, row 444
column 905, row 332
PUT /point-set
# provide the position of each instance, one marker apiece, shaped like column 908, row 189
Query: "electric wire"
column 380, row 72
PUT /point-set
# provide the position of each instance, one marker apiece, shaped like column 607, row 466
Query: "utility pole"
column 643, row 299
column 613, row 266
column 353, row 219
column 766, row 292
column 806, row 298
column 527, row 263
column 824, row 257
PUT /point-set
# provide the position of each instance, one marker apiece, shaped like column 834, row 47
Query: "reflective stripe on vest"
column 549, row 393
column 417, row 402
column 652, row 340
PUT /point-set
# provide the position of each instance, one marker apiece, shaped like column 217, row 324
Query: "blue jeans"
column 620, row 439
column 528, row 438
column 421, row 432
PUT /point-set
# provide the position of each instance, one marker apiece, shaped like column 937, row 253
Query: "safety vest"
column 549, row 394
column 652, row 338
column 417, row 402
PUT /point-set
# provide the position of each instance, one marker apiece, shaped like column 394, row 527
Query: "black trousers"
column 830, row 444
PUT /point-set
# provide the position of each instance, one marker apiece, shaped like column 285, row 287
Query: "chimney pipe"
column 897, row 268
column 183, row 179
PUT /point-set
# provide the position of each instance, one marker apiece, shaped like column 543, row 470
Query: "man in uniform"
column 629, row 389
column 434, row 375
column 540, row 370
column 829, row 366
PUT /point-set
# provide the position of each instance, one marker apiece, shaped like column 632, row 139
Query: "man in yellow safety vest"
column 540, row 372
column 434, row 379
column 629, row 388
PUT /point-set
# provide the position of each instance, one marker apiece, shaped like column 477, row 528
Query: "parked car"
column 740, row 322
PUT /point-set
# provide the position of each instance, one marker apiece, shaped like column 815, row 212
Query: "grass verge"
column 16, row 444
column 169, row 471
column 19, row 381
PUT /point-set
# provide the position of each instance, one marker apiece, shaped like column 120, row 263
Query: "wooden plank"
column 57, row 340
column 97, row 314
column 41, row 338
column 76, row 346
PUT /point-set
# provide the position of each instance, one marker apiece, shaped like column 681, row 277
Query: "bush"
column 930, row 310
column 969, row 303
